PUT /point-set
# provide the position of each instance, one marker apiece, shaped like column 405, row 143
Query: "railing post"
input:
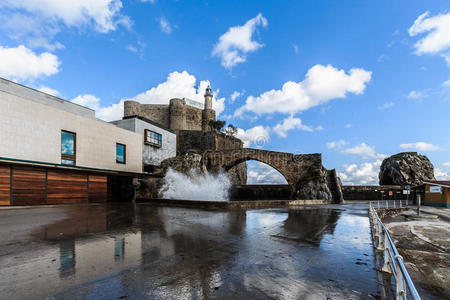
column 387, row 263
column 378, row 204
column 387, row 204
column 400, row 284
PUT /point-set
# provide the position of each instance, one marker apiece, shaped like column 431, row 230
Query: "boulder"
column 406, row 168
column 188, row 163
column 314, row 185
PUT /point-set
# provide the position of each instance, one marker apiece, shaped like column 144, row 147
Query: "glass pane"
column 67, row 162
column 67, row 143
column 120, row 153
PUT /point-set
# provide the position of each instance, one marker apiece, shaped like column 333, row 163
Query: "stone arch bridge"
column 303, row 172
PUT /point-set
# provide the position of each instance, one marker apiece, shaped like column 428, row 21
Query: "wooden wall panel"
column 66, row 187
column 28, row 186
column 98, row 190
column 5, row 184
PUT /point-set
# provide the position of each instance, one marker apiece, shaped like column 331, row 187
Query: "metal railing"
column 392, row 261
column 379, row 204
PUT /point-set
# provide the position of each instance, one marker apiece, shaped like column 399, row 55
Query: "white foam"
column 204, row 187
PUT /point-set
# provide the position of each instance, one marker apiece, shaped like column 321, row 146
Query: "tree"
column 216, row 125
column 231, row 130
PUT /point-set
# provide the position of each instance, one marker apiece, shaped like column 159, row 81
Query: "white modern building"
column 159, row 142
column 55, row 151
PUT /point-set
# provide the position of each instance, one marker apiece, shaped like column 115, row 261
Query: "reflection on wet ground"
column 144, row 251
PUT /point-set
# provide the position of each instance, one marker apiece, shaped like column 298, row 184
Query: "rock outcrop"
column 314, row 185
column 186, row 164
column 406, row 168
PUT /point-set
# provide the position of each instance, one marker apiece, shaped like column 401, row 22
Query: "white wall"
column 152, row 155
column 32, row 131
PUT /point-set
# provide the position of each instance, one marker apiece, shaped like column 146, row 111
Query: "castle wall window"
column 152, row 138
column 68, row 147
column 121, row 153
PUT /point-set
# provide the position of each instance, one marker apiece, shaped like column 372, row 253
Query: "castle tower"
column 208, row 113
column 177, row 114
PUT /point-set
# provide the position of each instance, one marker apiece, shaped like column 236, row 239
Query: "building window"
column 121, row 153
column 152, row 138
column 68, row 147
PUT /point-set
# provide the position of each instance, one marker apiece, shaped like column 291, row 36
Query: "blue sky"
column 353, row 80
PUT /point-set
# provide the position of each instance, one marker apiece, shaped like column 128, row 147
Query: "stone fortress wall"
column 177, row 115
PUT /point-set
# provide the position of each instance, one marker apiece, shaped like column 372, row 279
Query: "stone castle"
column 192, row 127
column 178, row 115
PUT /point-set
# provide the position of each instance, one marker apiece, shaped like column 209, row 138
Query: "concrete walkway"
column 160, row 252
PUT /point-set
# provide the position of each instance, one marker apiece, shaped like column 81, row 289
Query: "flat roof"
column 26, row 92
column 438, row 183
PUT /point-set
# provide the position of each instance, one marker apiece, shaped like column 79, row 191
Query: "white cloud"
column 421, row 146
column 131, row 48
column 88, row 100
column 288, row 124
column 386, row 105
column 337, row 144
column 256, row 136
column 21, row 63
column 47, row 90
column 234, row 44
column 177, row 85
column 364, row 150
column 446, row 83
column 362, row 174
column 180, row 85
column 437, row 38
column 321, row 84
column 260, row 173
column 416, row 95
column 295, row 46
column 103, row 14
column 148, row 1
column 234, row 96
column 441, row 174
column 319, row 128
column 446, row 164
column 348, row 125
column 165, row 25
column 38, row 21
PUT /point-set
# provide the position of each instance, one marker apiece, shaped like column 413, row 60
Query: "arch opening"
column 259, row 173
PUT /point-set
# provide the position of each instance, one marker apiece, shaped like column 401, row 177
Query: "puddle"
column 126, row 252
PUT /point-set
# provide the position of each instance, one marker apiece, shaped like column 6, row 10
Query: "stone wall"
column 198, row 141
column 372, row 192
column 193, row 118
column 261, row 192
column 176, row 116
column 154, row 112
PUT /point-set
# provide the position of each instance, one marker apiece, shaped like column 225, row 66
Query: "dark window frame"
column 124, row 154
column 66, row 156
column 147, row 142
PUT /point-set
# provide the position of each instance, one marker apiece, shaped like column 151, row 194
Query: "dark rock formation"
column 314, row 185
column 187, row 163
column 405, row 168
column 238, row 174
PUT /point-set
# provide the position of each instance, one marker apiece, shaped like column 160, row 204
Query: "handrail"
column 392, row 261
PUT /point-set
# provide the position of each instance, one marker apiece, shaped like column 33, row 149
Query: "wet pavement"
column 154, row 252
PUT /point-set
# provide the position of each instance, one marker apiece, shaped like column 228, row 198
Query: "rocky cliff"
column 405, row 168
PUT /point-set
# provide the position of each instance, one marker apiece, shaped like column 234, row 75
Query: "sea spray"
column 193, row 186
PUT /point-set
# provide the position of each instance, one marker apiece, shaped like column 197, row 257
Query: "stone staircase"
column 334, row 185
